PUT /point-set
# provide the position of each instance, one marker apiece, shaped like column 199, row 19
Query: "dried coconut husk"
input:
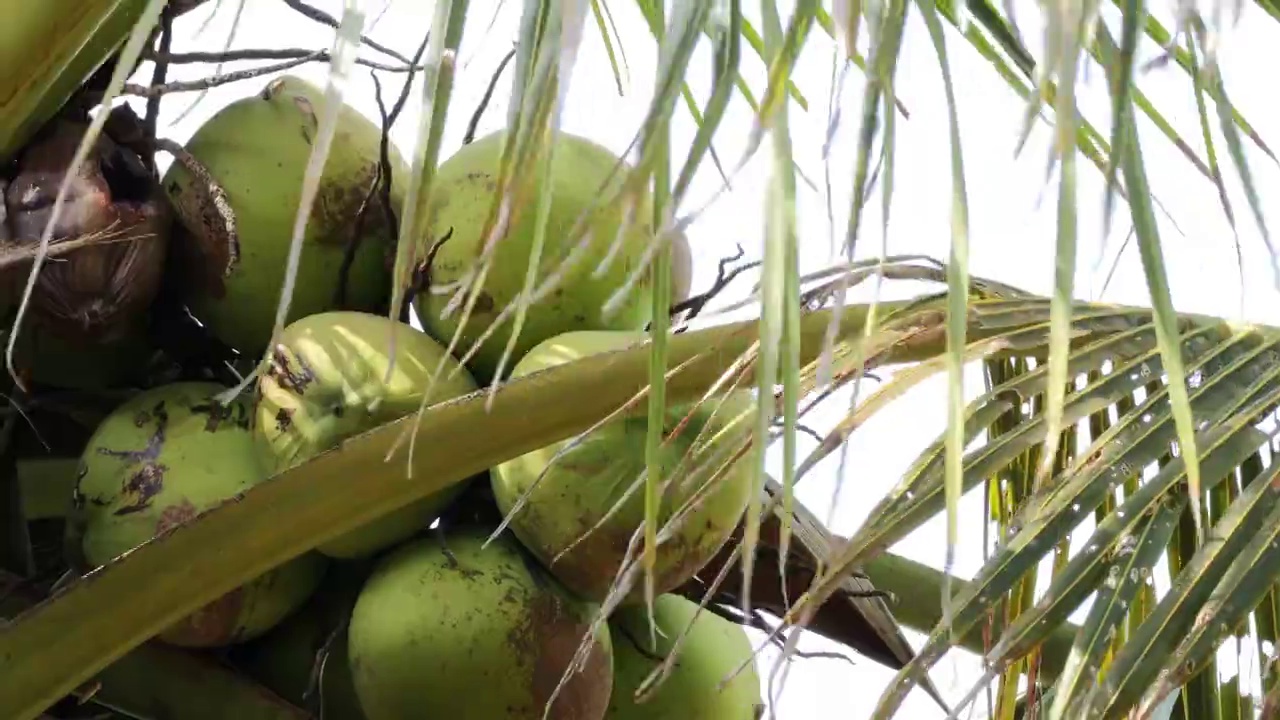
column 93, row 294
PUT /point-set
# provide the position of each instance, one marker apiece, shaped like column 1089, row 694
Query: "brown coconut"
column 93, row 294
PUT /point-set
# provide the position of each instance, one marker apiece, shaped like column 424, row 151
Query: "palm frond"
column 1231, row 376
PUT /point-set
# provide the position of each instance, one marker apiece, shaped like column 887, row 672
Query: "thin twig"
column 325, row 18
column 805, row 429
column 422, row 275
column 188, row 58
column 320, row 663
column 158, row 78
column 383, row 177
column 724, row 276
column 215, row 80
column 484, row 101
column 357, row 232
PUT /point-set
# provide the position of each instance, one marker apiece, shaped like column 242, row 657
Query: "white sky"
column 1011, row 211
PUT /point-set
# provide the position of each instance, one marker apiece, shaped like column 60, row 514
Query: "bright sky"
column 1011, row 213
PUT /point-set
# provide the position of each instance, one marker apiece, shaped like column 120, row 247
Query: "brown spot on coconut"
column 710, row 653
column 590, row 478
column 463, row 192
column 156, row 462
column 489, row 637
column 256, row 150
column 327, row 381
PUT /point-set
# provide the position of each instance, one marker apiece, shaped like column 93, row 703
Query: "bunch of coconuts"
column 409, row 623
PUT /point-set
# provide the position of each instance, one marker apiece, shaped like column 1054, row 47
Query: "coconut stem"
column 188, row 58
column 325, row 18
column 216, row 80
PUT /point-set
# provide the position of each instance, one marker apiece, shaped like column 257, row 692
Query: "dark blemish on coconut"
column 143, row 486
column 484, row 303
column 217, row 623
column 280, row 370
column 99, row 502
column 284, row 419
column 553, row 632
column 464, row 571
column 154, row 445
column 175, row 515
column 216, row 413
column 338, row 411
column 338, row 202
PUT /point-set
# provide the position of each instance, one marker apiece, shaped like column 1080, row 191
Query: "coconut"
column 463, row 193
column 46, row 357
column 483, row 635
column 681, row 268
column 327, row 380
column 97, row 293
column 284, row 659
column 158, row 460
column 257, row 149
column 712, row 651
column 596, row 471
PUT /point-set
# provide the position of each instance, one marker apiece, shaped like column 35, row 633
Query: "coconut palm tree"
column 1141, row 427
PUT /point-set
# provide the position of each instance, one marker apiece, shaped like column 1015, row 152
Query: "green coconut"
column 712, row 651
column 488, row 637
column 283, row 660
column 257, row 148
column 580, row 490
column 463, row 192
column 327, row 380
column 158, row 460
